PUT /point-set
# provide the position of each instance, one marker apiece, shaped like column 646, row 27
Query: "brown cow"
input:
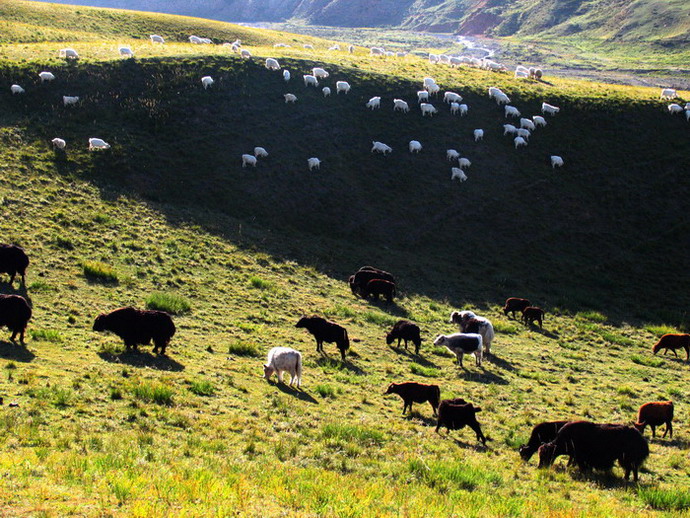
column 655, row 414
column 413, row 392
column 673, row 341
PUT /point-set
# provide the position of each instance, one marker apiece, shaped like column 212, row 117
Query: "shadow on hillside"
column 414, row 357
column 478, row 446
column 143, row 359
column 426, row 421
column 16, row 352
column 389, row 307
column 604, row 479
column 327, row 361
column 8, row 289
column 482, row 377
column 298, row 393
column 544, row 332
column 683, row 444
column 501, row 363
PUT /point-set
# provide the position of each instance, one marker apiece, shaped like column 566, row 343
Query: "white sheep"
column 511, row 111
column 69, row 53
column 509, row 129
column 450, row 97
column 206, row 41
column 126, row 51
column 245, row 54
column 675, row 108
column 454, row 108
column 207, row 81
column 319, row 73
column 70, row 99
column 374, row 103
column 286, row 75
column 236, row 49
column 308, row 46
column 400, row 105
column 519, row 141
column 519, row 74
column 290, row 98
column 380, row 147
column 376, row 51
column 433, row 89
column 539, row 120
column 310, row 80
column 260, row 152
column 97, row 143
column 428, row 108
column 59, row 143
column 494, row 91
column 464, row 163
column 334, row 47
column 314, row 163
column 280, row 45
column 502, row 99
column 195, row 39
column 556, row 161
column 463, row 110
column 478, row 135
column 272, row 64
column 687, row 114
column 524, row 133
column 248, row 159
column 433, row 58
column 155, row 38
column 284, row 359
column 452, row 154
column 422, row 95
column 668, row 93
column 16, row 89
column 351, row 49
column 46, row 76
column 549, row 108
column 342, row 86
column 415, row 146
column 456, row 172
column 326, row 91
column 428, row 81
column 526, row 123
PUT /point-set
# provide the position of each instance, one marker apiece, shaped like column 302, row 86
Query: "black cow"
column 455, row 416
column 15, row 313
column 138, row 327
column 326, row 331
column 13, row 261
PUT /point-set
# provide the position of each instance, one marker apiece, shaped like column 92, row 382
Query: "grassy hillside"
column 168, row 209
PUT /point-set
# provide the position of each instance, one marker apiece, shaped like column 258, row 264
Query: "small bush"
column 626, row 391
column 98, row 271
column 259, row 283
column 46, row 335
column 429, row 372
column 202, row 388
column 327, row 391
column 64, row 243
column 153, row 393
column 666, row 499
column 168, row 302
column 115, row 394
column 243, row 349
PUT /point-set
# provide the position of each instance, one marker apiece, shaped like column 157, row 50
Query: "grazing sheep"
column 464, row 163
column 456, row 172
column 245, row 54
column 455, row 414
column 16, row 89
column 514, row 304
column 342, row 86
column 413, row 392
column 673, row 341
column 502, row 99
column 326, row 331
column 138, row 327
column 248, row 159
column 351, row 49
column 527, row 124
column 286, row 75
column 655, row 414
column 260, row 152
column 46, row 76
column 13, row 261
column 334, row 47
column 376, row 51
column 15, row 313
column 454, row 108
column 126, row 51
column 450, row 97
column 415, row 146
column 195, row 39
column 533, row 314
column 428, row 109
column 290, row 98
column 541, row 434
column 549, row 108
column 70, row 99
column 59, row 143
column 556, row 161
column 471, row 323
column 155, row 38
column 308, row 46
column 310, row 80
column 511, row 111
column 380, row 147
column 405, row 330
column 428, row 81
column 539, row 120
column 687, row 114
column 378, row 287
column 207, row 81
column 400, row 105
column 672, row 108
column 69, row 53
column 284, row 359
column 326, row 91
column 272, row 64
column 433, row 89
column 97, row 143
column 668, row 93
column 313, row 163
column 494, row 91
column 452, row 154
column 478, row 135
column 463, row 110
column 461, row 344
column 433, row 58
column 422, row 95
column 374, row 103
column 523, row 132
column 519, row 141
column 320, row 73
column 509, row 129
column 597, row 446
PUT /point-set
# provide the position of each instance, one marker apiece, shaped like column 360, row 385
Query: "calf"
column 461, row 344
column 138, row 327
column 673, row 341
column 405, row 330
column 455, row 416
column 358, row 281
column 15, row 313
column 378, row 287
column 412, row 392
column 13, row 261
column 514, row 304
column 541, row 434
column 655, row 414
column 597, row 446
column 533, row 314
column 326, row 331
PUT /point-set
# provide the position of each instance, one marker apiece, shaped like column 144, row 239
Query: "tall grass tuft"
column 665, row 499
column 46, row 335
column 428, row 372
column 153, row 393
column 243, row 349
column 168, row 302
column 358, row 434
column 202, row 388
column 98, row 271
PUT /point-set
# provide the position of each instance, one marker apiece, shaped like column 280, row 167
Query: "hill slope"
column 169, row 209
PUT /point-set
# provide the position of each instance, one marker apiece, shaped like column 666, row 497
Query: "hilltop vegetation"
column 168, row 218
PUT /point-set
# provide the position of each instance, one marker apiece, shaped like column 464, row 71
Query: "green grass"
column 665, row 499
column 646, row 360
column 353, row 433
column 428, row 372
column 169, row 302
column 243, row 349
column 98, row 271
column 153, row 393
column 46, row 335
column 202, row 388
column 326, row 390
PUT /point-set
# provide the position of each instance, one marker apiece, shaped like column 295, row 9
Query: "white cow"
column 286, row 75
column 539, row 120
column 326, row 91
column 290, row 98
column 272, row 64
column 556, row 161
column 415, row 146
column 59, row 143
column 512, row 111
column 464, row 163
column 400, row 105
column 310, row 80
column 456, row 172
column 248, row 159
column 69, row 53
column 97, row 143
column 314, row 163
column 668, row 93
column 452, row 154
column 260, row 152
column 126, row 51
column 284, row 359
column 450, row 97
column 380, row 147
column 207, row 81
column 428, row 108
column 549, row 108
column 46, row 76
column 342, row 86
column 16, row 89
column 526, row 123
column 155, row 38
column 519, row 141
column 319, row 73
column 422, row 95
column 374, row 103
column 478, row 135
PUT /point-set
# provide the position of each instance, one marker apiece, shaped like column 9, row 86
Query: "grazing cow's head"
column 303, row 322
column 547, row 454
column 389, row 338
column 99, row 324
column 268, row 371
column 657, row 347
column 640, row 426
column 392, row 389
column 525, row 452
column 440, row 340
